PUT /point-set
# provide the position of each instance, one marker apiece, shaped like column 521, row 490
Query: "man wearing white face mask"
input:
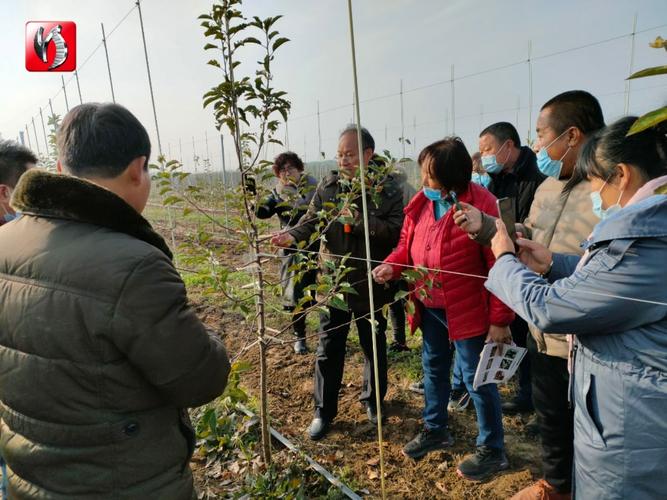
column 14, row 161
column 561, row 218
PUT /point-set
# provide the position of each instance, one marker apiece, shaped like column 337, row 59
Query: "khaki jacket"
column 100, row 353
column 561, row 222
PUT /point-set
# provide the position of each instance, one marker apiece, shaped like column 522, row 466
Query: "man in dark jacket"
column 397, row 308
column 100, row 352
column 514, row 174
column 14, row 161
column 511, row 166
column 342, row 236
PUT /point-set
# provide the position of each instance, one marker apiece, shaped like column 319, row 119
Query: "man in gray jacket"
column 101, row 353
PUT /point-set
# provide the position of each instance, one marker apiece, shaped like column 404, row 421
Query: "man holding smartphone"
column 560, row 218
column 514, row 175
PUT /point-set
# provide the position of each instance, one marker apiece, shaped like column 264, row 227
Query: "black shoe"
column 398, row 347
column 532, row 426
column 300, row 346
column 372, row 414
column 517, row 406
column 427, row 441
column 319, row 428
column 459, row 399
column 482, row 464
column 417, row 387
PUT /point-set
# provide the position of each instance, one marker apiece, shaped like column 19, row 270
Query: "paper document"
column 494, row 367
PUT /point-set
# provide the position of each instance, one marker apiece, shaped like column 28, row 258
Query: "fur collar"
column 44, row 194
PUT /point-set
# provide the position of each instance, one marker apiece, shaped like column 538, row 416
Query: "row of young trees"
column 247, row 104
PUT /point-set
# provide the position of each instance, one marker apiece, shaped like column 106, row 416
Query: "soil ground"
column 350, row 451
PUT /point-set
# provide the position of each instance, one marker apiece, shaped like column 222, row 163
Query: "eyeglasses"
column 287, row 169
column 346, row 156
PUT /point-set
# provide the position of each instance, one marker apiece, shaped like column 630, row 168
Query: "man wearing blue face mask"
column 512, row 167
column 513, row 171
column 561, row 218
column 14, row 161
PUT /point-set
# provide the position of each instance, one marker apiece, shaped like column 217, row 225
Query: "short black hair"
column 575, row 108
column 503, row 131
column 452, row 165
column 101, row 140
column 14, row 160
column 645, row 150
column 367, row 141
column 287, row 158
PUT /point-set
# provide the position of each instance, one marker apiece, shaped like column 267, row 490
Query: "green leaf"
column 213, row 62
column 410, row 308
column 385, row 310
column 278, row 43
column 170, row 200
column 648, row 120
column 655, row 70
column 211, row 46
column 338, row 302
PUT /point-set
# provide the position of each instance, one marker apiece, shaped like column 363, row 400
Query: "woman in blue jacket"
column 614, row 300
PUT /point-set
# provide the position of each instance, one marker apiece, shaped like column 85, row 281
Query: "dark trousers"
column 397, row 314
column 520, row 334
column 330, row 359
column 556, row 420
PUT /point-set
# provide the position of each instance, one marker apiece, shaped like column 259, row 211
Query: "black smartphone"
column 506, row 211
column 455, row 200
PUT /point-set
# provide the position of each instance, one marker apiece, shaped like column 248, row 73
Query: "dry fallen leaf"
column 373, row 474
column 441, row 486
column 373, row 462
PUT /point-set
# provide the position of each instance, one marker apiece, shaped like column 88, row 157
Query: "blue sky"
column 416, row 41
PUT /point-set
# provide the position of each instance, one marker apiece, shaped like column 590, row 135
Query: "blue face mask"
column 490, row 163
column 432, row 194
column 481, row 179
column 604, row 213
column 547, row 165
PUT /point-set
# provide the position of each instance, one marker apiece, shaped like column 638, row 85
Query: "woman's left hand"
column 500, row 335
column 501, row 242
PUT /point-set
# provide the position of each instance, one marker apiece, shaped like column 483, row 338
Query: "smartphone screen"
column 506, row 211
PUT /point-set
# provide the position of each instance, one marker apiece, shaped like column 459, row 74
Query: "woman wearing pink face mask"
column 614, row 299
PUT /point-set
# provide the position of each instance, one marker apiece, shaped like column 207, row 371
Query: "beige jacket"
column 561, row 223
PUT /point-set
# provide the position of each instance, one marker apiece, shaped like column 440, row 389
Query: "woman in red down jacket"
column 456, row 307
